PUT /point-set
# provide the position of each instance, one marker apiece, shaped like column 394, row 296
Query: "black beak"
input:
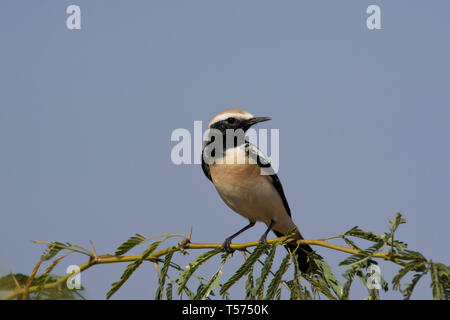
column 256, row 120
column 250, row 122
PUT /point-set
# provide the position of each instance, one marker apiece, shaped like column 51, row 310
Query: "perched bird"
column 250, row 187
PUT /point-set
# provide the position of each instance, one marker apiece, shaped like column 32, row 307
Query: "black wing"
column 263, row 162
column 304, row 249
column 277, row 184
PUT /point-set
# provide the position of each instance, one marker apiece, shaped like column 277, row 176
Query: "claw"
column 263, row 239
column 226, row 246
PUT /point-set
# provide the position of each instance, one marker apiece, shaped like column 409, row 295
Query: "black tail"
column 302, row 253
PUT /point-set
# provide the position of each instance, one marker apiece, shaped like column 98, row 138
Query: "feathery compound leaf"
column 169, row 291
column 55, row 247
column 444, row 278
column 398, row 244
column 394, row 225
column 364, row 257
column 351, row 260
column 249, row 286
column 440, row 280
column 214, row 282
column 130, row 244
column 329, row 277
column 384, row 284
column 302, row 291
column 278, row 294
column 189, row 293
column 297, row 287
column 318, row 285
column 46, row 276
column 417, row 266
column 245, row 268
column 163, row 274
column 407, row 292
column 396, row 222
column 410, row 255
column 199, row 291
column 374, row 294
column 265, row 272
column 193, row 266
column 351, row 244
column 131, row 268
column 274, row 284
column 52, row 250
column 438, row 290
column 349, row 274
column 293, row 289
column 356, row 232
column 8, row 282
column 287, row 237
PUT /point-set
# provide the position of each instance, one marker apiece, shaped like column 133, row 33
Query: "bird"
column 250, row 187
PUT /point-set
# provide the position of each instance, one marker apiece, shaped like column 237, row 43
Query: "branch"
column 185, row 245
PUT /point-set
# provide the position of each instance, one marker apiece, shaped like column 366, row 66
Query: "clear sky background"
column 86, row 117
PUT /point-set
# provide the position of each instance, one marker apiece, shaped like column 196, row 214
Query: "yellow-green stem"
column 102, row 259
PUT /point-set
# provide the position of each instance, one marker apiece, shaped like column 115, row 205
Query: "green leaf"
column 265, row 272
column 163, row 274
column 130, row 244
column 351, row 244
column 297, row 279
column 214, row 282
column 169, row 291
column 274, row 284
column 329, row 277
column 55, row 247
column 356, row 232
column 319, row 285
column 45, row 277
column 410, row 255
column 440, row 281
column 396, row 222
column 245, row 268
column 250, row 286
column 131, row 268
column 293, row 289
column 411, row 266
column 189, row 293
column 278, row 294
column 7, row 282
column 349, row 274
column 364, row 257
column 190, row 269
column 52, row 250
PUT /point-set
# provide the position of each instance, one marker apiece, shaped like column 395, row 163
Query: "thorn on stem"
column 187, row 240
column 93, row 249
column 15, row 281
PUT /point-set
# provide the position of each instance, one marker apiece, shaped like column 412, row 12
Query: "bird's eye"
column 231, row 120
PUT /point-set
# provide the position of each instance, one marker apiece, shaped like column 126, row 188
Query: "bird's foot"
column 226, row 246
column 263, row 239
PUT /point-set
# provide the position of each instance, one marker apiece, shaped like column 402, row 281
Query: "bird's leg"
column 264, row 236
column 227, row 242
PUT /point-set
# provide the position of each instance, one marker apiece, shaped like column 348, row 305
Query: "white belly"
column 252, row 195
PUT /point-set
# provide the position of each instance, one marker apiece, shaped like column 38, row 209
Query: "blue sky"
column 86, row 118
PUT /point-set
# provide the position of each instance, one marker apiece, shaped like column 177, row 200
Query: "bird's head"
column 234, row 119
